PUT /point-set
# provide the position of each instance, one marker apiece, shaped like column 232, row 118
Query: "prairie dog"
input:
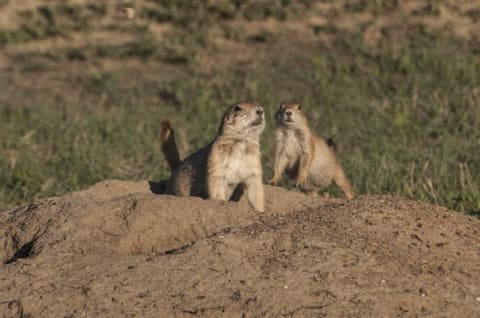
column 229, row 163
column 308, row 159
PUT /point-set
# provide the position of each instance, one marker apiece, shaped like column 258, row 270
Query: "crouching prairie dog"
column 225, row 168
column 307, row 159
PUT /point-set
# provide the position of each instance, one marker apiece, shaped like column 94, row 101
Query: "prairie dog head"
column 243, row 121
column 290, row 115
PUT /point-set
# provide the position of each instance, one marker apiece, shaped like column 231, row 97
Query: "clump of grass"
column 261, row 37
column 474, row 14
column 375, row 6
column 430, row 8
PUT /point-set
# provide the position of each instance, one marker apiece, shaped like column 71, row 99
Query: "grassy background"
column 82, row 89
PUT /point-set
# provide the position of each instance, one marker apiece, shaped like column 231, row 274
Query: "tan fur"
column 306, row 158
column 229, row 164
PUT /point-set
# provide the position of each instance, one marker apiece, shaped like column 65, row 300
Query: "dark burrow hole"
column 24, row 252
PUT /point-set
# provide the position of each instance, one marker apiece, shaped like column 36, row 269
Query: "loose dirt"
column 118, row 250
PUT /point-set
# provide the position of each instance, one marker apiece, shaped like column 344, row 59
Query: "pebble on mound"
column 116, row 249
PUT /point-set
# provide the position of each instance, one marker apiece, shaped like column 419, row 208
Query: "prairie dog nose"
column 288, row 112
column 260, row 111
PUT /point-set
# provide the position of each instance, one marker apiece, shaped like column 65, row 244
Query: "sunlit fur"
column 229, row 163
column 306, row 158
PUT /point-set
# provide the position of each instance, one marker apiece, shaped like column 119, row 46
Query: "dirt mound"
column 119, row 250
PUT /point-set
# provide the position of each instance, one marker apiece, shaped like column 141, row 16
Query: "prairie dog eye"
column 299, row 106
column 237, row 108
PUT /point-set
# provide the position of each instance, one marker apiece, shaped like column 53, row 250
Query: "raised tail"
column 168, row 145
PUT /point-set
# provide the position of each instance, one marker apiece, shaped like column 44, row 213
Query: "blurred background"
column 84, row 84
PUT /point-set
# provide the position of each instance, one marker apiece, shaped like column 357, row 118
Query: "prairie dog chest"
column 293, row 146
column 240, row 162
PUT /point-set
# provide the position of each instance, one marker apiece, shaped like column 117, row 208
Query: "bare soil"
column 118, row 250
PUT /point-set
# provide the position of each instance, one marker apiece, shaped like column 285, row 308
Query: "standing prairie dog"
column 226, row 167
column 308, row 159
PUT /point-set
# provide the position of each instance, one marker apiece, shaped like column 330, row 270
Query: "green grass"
column 52, row 20
column 406, row 118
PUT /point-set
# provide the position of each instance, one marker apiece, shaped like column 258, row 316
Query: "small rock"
column 422, row 291
column 129, row 12
column 236, row 295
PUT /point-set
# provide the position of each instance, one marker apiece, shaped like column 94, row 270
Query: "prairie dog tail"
column 168, row 144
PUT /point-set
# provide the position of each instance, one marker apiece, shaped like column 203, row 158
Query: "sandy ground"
column 118, row 250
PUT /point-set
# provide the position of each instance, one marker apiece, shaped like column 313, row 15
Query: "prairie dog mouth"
column 257, row 121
